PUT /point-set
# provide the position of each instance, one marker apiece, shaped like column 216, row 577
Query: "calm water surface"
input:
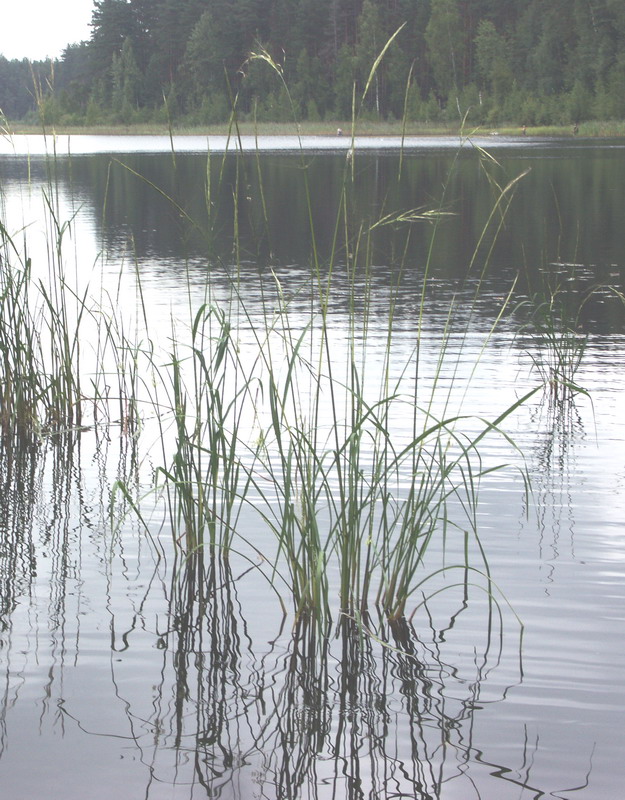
column 130, row 672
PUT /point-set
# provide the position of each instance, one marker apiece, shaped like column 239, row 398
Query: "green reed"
column 208, row 405
column 39, row 349
column 331, row 467
column 66, row 361
column 558, row 343
column 306, row 441
column 19, row 341
column 291, row 428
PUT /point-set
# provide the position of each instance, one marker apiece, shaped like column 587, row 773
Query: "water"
column 129, row 671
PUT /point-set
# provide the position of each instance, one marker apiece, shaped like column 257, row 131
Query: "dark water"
column 129, row 671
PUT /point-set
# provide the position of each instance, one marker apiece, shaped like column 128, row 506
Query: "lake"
column 290, row 354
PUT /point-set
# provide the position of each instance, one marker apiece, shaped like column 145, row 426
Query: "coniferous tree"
column 493, row 69
column 112, row 22
column 546, row 60
column 369, row 43
column 126, row 82
column 445, row 40
column 204, row 60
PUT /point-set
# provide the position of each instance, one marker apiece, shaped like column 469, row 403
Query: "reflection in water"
column 19, row 476
column 203, row 713
column 129, row 670
column 174, row 223
column 360, row 711
column 47, row 514
column 562, row 429
column 344, row 714
column 38, row 549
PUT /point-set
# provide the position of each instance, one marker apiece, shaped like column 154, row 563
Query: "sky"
column 36, row 29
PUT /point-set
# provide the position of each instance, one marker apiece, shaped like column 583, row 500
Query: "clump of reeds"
column 46, row 321
column 40, row 323
column 209, row 395
column 292, row 434
column 20, row 387
column 40, row 389
column 306, row 440
column 558, row 344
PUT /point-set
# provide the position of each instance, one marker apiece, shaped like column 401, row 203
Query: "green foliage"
column 558, row 344
column 445, row 42
column 40, row 325
column 213, row 109
column 344, row 83
column 493, row 64
column 259, row 413
column 370, row 40
column 126, row 82
column 203, row 62
column 564, row 56
column 579, row 102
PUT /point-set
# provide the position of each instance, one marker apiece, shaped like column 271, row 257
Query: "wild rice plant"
column 304, row 439
column 204, row 473
column 340, row 492
column 40, row 325
column 558, row 346
column 353, row 509
column 21, row 385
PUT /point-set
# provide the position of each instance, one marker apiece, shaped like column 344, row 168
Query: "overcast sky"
column 38, row 28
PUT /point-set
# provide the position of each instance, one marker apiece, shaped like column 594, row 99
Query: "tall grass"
column 293, row 428
column 39, row 349
column 297, row 437
column 307, row 440
column 558, row 344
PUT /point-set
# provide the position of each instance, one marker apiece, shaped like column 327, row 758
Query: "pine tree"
column 445, row 41
column 112, row 22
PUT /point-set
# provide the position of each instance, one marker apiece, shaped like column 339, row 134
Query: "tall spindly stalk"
column 353, row 508
column 40, row 321
column 208, row 403
column 558, row 345
column 358, row 473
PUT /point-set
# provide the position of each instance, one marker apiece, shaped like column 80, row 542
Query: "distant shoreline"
column 607, row 129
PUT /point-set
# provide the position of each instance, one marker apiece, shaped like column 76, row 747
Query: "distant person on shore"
column 575, row 129
column 524, row 129
column 339, row 131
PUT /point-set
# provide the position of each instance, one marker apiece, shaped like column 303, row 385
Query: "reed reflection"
column 49, row 519
column 206, row 699
column 19, row 478
column 294, row 741
column 359, row 711
column 268, row 199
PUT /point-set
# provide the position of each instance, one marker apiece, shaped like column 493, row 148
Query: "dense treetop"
column 528, row 61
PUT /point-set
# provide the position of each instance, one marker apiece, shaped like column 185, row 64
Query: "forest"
column 533, row 62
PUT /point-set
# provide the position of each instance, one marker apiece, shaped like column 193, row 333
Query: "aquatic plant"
column 285, row 421
column 294, row 426
column 39, row 346
column 558, row 344
column 66, row 361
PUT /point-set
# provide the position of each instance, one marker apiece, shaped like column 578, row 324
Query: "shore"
column 365, row 128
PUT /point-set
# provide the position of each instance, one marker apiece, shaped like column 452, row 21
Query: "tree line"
column 526, row 61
